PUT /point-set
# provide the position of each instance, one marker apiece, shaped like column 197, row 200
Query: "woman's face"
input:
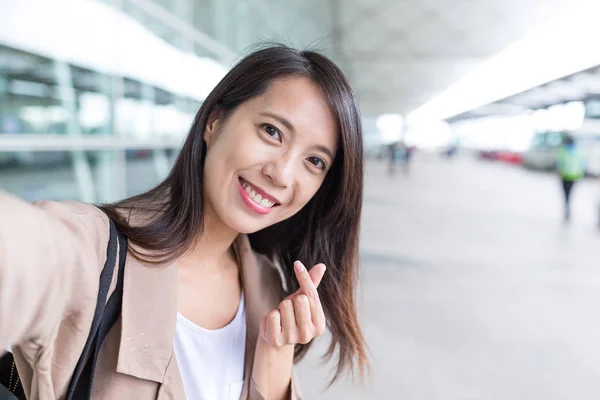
column 270, row 156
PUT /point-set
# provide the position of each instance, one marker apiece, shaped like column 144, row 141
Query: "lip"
column 251, row 203
column 260, row 191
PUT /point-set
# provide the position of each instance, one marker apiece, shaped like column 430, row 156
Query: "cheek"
column 304, row 192
column 242, row 149
column 212, row 167
column 224, row 155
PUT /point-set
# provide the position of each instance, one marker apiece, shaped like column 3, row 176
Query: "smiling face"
column 269, row 157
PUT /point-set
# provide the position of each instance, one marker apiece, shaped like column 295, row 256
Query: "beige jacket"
column 51, row 255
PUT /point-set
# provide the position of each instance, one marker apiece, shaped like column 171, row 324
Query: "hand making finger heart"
column 299, row 317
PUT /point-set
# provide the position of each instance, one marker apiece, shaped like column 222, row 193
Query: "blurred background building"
column 88, row 87
column 473, row 288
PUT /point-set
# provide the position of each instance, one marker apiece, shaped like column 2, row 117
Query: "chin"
column 248, row 229
column 245, row 225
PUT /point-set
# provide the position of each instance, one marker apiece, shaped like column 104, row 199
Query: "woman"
column 214, row 304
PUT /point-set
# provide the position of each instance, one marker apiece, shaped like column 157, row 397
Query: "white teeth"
column 258, row 199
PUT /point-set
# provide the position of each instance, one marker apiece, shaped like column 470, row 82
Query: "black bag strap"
column 6, row 394
column 11, row 387
column 105, row 315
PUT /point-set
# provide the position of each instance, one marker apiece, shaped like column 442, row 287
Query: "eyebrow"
column 326, row 151
column 281, row 119
column 290, row 127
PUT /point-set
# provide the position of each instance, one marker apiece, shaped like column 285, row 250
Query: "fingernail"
column 299, row 267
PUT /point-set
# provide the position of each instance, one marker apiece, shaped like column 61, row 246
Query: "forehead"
column 303, row 104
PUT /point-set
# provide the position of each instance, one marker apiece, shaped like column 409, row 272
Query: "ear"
column 211, row 127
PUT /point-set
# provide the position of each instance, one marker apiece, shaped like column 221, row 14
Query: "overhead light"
column 559, row 48
column 390, row 127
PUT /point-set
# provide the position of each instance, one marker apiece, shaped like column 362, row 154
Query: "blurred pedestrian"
column 393, row 157
column 407, row 156
column 452, row 149
column 598, row 205
column 570, row 165
column 211, row 302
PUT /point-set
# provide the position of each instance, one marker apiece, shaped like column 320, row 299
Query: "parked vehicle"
column 544, row 148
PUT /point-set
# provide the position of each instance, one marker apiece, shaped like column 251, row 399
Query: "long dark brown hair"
column 326, row 230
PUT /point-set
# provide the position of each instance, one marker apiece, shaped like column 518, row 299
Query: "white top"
column 211, row 362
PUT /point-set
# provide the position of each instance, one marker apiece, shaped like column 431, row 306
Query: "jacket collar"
column 149, row 313
column 256, row 307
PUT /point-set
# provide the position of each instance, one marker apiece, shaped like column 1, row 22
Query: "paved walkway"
column 473, row 288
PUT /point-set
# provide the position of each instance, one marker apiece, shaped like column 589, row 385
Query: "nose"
column 280, row 171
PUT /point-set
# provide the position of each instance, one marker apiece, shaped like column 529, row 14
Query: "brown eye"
column 272, row 131
column 318, row 162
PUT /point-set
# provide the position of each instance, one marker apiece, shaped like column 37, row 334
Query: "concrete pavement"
column 473, row 288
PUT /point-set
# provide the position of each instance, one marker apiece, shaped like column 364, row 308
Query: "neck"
column 212, row 245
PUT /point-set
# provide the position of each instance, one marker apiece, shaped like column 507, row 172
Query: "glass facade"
column 42, row 98
column 57, row 117
column 237, row 24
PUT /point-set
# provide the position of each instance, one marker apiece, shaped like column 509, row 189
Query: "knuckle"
column 288, row 338
column 278, row 341
column 306, row 335
column 273, row 315
column 301, row 300
column 285, row 304
column 305, row 340
column 275, row 337
column 321, row 330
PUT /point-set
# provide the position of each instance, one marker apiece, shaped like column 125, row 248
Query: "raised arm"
column 50, row 257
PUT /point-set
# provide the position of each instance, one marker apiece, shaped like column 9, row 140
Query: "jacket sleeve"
column 294, row 394
column 50, row 257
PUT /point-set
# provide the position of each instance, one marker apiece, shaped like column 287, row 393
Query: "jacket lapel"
column 149, row 316
column 262, row 291
column 247, row 262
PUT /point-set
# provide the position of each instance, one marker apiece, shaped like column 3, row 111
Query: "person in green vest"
column 570, row 164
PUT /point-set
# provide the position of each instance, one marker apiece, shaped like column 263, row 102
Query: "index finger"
column 306, row 283
column 309, row 281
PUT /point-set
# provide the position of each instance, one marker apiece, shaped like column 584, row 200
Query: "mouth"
column 256, row 198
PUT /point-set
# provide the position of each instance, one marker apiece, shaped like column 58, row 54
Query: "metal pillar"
column 110, row 171
column 80, row 163
column 159, row 156
column 243, row 21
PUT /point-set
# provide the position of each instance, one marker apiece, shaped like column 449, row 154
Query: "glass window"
column 86, row 176
column 554, row 139
column 592, row 109
column 538, row 140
